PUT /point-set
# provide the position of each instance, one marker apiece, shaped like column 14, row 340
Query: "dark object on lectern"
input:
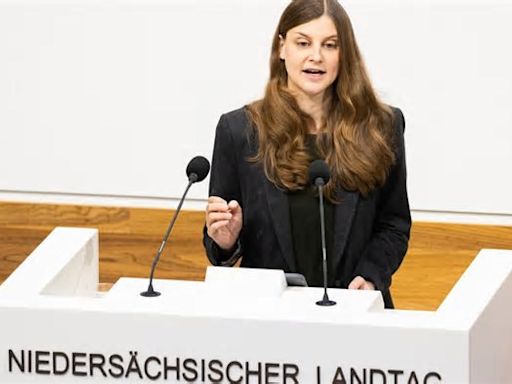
column 295, row 280
column 319, row 175
column 197, row 170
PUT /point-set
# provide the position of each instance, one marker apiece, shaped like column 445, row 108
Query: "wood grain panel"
column 129, row 237
column 438, row 255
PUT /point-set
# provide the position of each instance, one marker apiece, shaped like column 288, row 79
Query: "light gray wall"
column 112, row 98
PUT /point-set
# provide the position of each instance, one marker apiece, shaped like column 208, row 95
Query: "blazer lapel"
column 280, row 214
column 343, row 216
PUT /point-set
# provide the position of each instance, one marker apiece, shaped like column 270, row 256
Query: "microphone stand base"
column 326, row 303
column 150, row 293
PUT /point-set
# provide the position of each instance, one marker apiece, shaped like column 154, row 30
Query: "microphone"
column 197, row 169
column 319, row 175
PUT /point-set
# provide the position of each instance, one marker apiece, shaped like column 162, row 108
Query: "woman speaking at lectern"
column 318, row 104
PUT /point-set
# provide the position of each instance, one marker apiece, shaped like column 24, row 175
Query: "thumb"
column 234, row 207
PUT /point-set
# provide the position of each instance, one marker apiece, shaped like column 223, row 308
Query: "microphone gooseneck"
column 319, row 175
column 197, row 169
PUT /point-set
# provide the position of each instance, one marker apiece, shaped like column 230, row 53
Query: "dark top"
column 305, row 226
column 370, row 233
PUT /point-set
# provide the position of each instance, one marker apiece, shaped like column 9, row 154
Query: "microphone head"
column 319, row 173
column 198, row 168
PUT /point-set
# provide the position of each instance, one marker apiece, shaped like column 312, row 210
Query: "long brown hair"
column 356, row 138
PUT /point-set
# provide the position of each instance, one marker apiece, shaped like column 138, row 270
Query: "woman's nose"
column 316, row 53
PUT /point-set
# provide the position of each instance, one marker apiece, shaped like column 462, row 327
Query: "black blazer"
column 370, row 234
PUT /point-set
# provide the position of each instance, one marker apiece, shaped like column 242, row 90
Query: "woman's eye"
column 302, row 43
column 331, row 45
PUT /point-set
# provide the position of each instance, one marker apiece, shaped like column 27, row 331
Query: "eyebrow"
column 327, row 38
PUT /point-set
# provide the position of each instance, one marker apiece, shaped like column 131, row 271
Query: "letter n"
column 12, row 357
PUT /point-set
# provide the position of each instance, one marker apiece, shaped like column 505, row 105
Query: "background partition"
column 103, row 98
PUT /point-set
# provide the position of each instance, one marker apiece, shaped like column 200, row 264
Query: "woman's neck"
column 314, row 107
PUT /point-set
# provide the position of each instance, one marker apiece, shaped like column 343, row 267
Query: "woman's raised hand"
column 223, row 221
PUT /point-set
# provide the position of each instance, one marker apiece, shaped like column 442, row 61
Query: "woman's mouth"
column 313, row 74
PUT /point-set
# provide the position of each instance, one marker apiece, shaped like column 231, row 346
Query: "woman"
column 319, row 103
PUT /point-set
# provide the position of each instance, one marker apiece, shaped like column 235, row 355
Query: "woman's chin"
column 314, row 92
column 311, row 90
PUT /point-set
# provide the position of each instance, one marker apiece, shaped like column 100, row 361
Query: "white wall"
column 110, row 99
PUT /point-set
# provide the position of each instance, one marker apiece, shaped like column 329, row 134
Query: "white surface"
column 113, row 98
column 50, row 270
column 491, row 351
column 245, row 282
column 192, row 320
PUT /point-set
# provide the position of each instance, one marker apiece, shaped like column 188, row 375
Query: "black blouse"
column 305, row 227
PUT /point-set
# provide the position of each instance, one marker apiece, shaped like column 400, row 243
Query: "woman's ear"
column 281, row 47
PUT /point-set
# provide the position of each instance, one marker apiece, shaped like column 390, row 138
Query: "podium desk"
column 242, row 326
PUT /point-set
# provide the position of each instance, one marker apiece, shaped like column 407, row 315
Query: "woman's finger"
column 357, row 283
column 217, row 216
column 214, row 227
column 217, row 207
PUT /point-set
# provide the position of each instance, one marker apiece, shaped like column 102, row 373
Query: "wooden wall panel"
column 438, row 255
column 129, row 237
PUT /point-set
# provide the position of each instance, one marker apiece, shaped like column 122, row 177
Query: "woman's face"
column 311, row 55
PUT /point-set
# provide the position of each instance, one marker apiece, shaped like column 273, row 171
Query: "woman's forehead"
column 321, row 27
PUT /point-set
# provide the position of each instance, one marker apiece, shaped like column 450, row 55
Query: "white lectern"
column 242, row 326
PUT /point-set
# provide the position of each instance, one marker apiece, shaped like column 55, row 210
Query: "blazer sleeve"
column 224, row 182
column 388, row 244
